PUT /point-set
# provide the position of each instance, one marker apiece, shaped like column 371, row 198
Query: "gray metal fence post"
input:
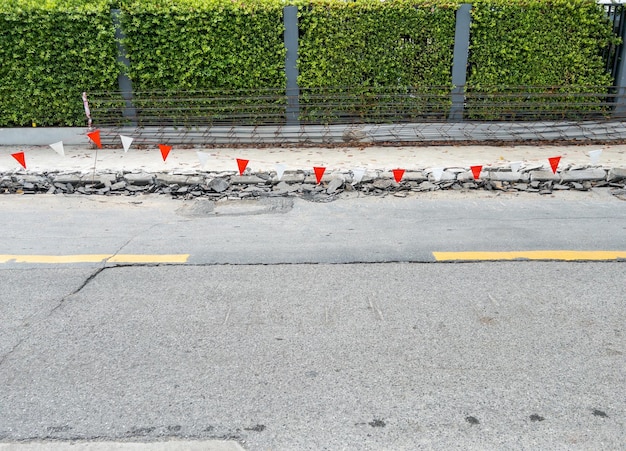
column 124, row 83
column 290, row 20
column 459, row 61
column 620, row 78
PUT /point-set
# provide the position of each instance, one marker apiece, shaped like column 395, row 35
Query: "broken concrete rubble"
column 224, row 185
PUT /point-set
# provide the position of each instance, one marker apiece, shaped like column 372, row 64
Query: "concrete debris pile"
column 535, row 179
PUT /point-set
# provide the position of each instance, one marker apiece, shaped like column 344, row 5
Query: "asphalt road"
column 348, row 353
column 283, row 230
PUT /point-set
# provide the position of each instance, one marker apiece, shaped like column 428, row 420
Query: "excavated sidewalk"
column 214, row 172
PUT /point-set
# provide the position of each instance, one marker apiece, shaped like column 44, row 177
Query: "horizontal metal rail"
column 354, row 105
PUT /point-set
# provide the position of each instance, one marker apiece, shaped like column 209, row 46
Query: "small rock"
column 139, row 179
column 617, row 174
column 427, row 186
column 558, row 186
column 382, row 183
column 117, row 186
column 219, row 185
column 334, row 185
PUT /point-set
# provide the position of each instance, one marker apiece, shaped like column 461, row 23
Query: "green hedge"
column 365, row 60
column 548, row 48
column 231, row 51
column 49, row 53
column 186, row 45
column 375, row 60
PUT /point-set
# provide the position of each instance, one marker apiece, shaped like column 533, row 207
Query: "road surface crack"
column 86, row 282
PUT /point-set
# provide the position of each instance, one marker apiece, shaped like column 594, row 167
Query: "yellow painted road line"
column 531, row 255
column 149, row 258
column 95, row 258
column 85, row 258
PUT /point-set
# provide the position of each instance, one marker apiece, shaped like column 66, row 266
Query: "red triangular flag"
column 242, row 165
column 21, row 159
column 319, row 173
column 554, row 163
column 476, row 171
column 95, row 137
column 397, row 174
column 165, row 151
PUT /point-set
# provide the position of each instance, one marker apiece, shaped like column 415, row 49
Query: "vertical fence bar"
column 459, row 61
column 290, row 20
column 126, row 87
column 620, row 73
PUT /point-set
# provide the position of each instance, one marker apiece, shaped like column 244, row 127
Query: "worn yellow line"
column 95, row 258
column 84, row 258
column 149, row 258
column 563, row 255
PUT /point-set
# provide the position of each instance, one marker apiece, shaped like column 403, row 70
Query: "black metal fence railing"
column 372, row 105
column 610, row 54
column 362, row 105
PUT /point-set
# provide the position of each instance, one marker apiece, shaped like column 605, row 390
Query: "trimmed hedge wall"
column 365, row 59
column 226, row 49
column 370, row 52
column 49, row 53
column 548, row 48
column 186, row 45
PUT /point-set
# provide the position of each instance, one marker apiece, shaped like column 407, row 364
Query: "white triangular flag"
column 58, row 148
column 437, row 173
column 357, row 175
column 280, row 170
column 515, row 166
column 595, row 156
column 126, row 142
column 203, row 157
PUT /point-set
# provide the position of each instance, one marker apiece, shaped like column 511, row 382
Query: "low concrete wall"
column 435, row 132
column 43, row 136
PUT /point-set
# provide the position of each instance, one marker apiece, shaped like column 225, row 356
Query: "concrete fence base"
column 328, row 134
